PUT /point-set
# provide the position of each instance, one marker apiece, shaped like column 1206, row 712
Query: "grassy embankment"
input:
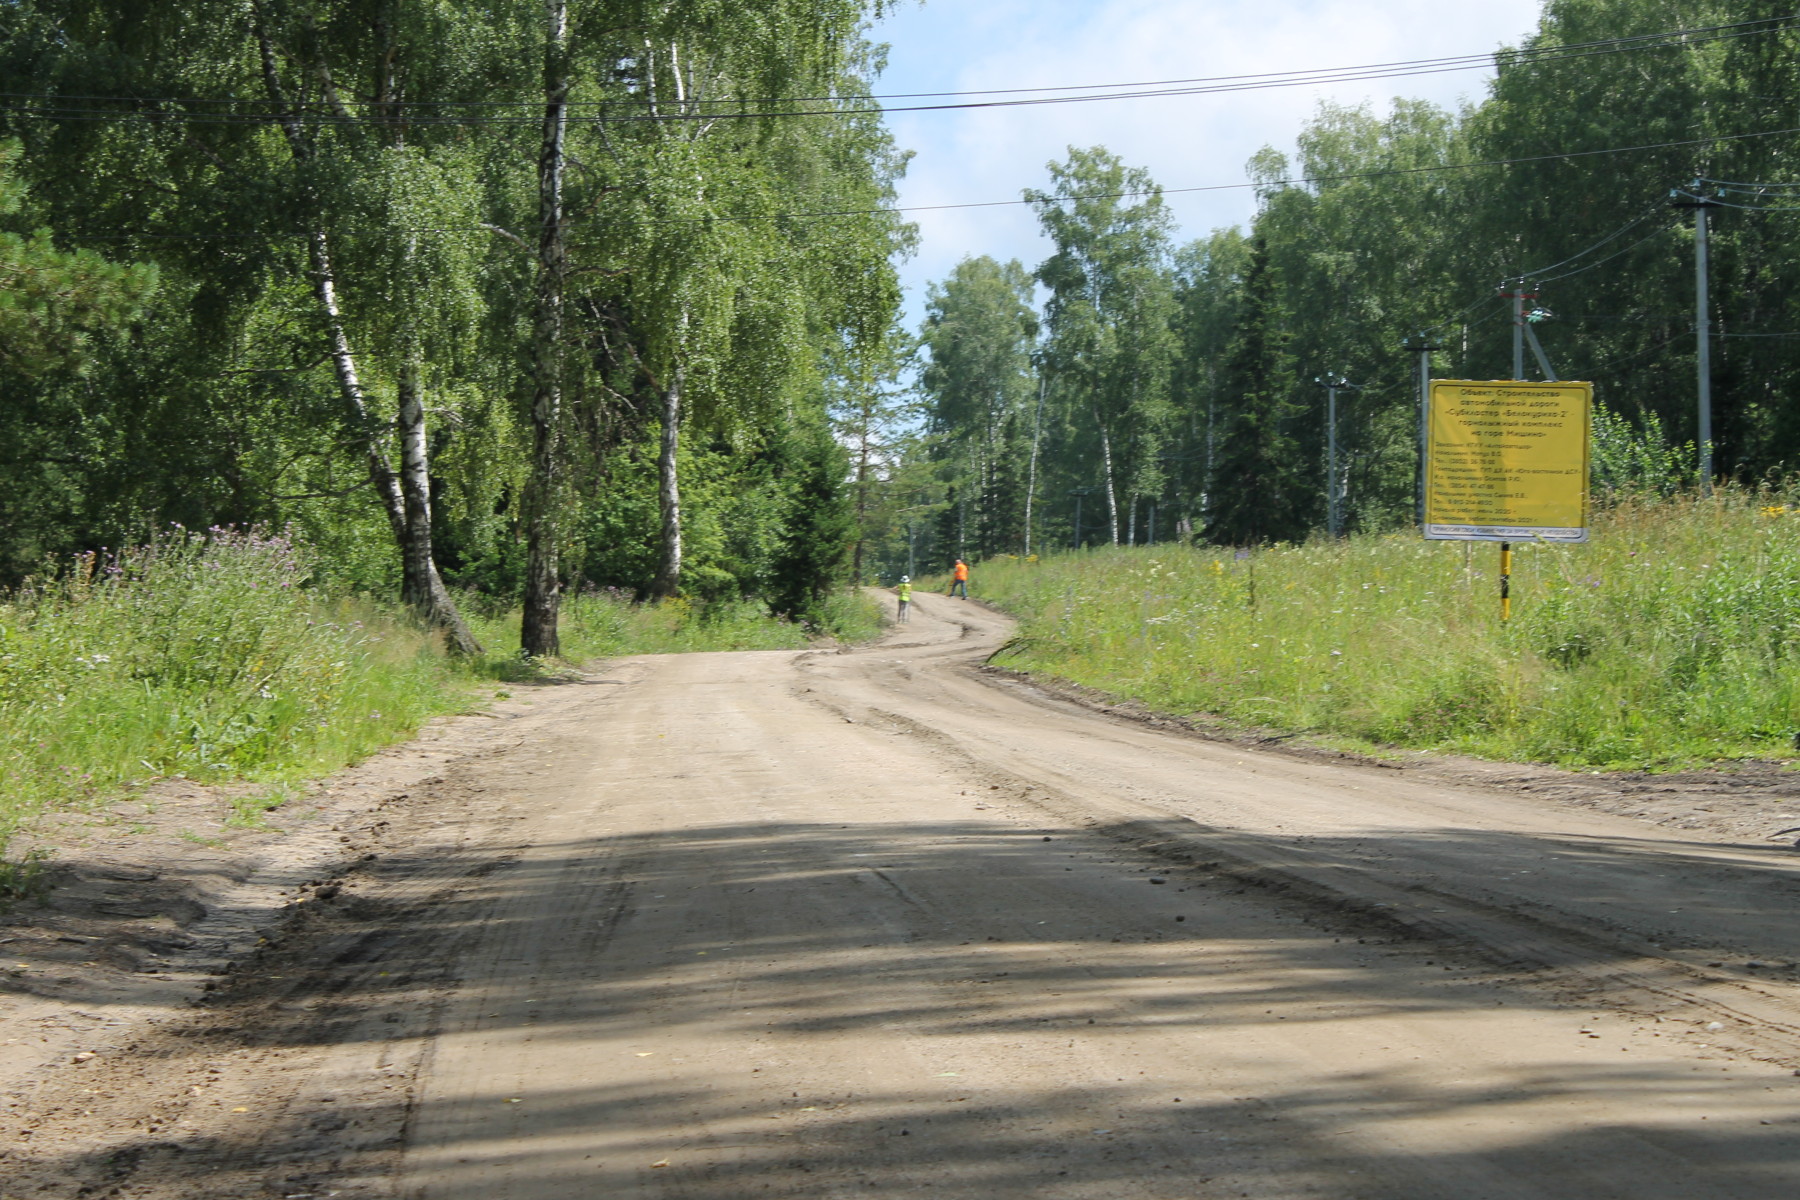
column 210, row 658
column 1672, row 639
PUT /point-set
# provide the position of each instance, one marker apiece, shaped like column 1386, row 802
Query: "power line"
column 899, row 210
column 1532, row 276
column 1538, row 277
column 1631, row 356
column 853, row 105
column 1650, row 237
column 1642, row 318
column 1731, row 185
column 1714, row 201
column 1620, row 231
column 1463, row 312
column 1730, row 29
column 1763, row 25
column 1352, row 176
column 1485, row 58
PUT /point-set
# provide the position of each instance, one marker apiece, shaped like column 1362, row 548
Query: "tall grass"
column 199, row 655
column 1673, row 638
column 607, row 622
column 208, row 656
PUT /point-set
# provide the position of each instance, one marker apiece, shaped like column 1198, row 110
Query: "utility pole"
column 1519, row 296
column 1518, row 299
column 1537, row 347
column 1421, row 345
column 1037, row 425
column 1333, row 384
column 1078, row 493
column 1702, row 325
column 1523, row 331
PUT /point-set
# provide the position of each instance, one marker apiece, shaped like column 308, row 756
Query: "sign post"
column 1507, row 462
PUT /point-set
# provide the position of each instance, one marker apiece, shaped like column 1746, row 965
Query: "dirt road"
column 879, row 923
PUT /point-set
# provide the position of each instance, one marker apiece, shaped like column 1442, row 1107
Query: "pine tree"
column 819, row 524
column 1257, row 486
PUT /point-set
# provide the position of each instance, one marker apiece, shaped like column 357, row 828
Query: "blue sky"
column 955, row 45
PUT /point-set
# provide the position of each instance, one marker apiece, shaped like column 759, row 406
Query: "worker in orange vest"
column 959, row 579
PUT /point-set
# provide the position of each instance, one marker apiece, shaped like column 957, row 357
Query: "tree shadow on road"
column 765, row 943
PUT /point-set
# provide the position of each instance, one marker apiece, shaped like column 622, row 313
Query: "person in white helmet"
column 904, row 593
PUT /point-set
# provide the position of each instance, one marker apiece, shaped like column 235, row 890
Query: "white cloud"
column 991, row 154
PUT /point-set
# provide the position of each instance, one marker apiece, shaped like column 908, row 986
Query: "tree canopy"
column 375, row 322
column 1182, row 380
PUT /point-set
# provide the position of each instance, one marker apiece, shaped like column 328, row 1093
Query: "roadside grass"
column 207, row 656
column 1672, row 639
column 606, row 623
column 200, row 656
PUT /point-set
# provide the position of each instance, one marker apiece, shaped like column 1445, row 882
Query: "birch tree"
column 1108, row 319
column 979, row 332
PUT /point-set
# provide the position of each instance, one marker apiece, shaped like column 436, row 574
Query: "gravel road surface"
column 884, row 922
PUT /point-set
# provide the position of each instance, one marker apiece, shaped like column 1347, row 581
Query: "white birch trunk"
column 1112, row 493
column 422, row 587
column 668, row 572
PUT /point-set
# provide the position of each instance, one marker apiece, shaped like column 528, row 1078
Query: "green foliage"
column 736, row 504
column 1638, row 462
column 202, row 655
column 1260, row 490
column 1672, row 639
column 609, row 622
column 979, row 385
column 63, row 314
column 224, row 402
column 52, row 301
column 1379, row 228
column 816, row 526
column 1108, row 337
column 220, row 656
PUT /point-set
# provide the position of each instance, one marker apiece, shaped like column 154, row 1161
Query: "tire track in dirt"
column 833, row 924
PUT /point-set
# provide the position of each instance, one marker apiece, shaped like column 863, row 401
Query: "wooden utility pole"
column 1702, row 325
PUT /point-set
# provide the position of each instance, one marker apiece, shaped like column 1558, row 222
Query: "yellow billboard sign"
column 1507, row 461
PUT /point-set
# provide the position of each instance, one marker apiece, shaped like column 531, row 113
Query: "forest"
column 1132, row 388
column 494, row 301
column 502, row 304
